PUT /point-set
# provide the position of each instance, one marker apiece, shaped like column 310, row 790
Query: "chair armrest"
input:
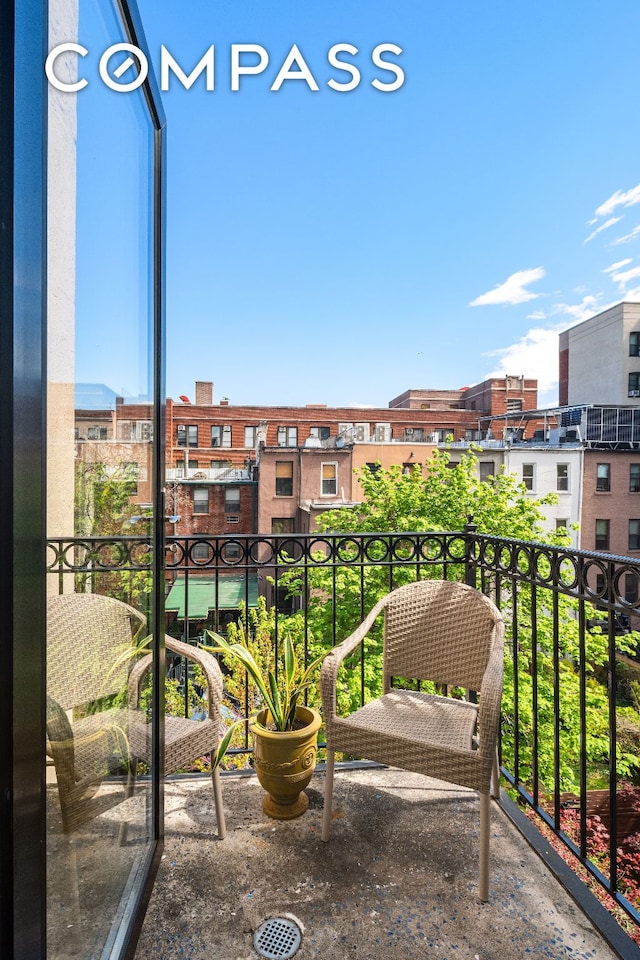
column 491, row 696
column 60, row 742
column 209, row 665
column 331, row 663
column 136, row 677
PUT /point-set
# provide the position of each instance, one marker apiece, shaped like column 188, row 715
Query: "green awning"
column 207, row 593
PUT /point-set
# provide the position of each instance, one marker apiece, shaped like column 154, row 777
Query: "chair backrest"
column 89, row 646
column 439, row 630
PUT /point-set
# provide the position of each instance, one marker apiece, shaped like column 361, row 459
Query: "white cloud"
column 625, row 239
column 603, row 226
column 619, row 199
column 578, row 312
column 535, row 354
column 623, row 277
column 512, row 291
column 633, row 294
column 617, row 265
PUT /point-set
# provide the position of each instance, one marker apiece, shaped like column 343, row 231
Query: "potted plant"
column 285, row 731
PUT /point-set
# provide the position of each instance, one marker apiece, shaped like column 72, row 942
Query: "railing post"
column 470, row 529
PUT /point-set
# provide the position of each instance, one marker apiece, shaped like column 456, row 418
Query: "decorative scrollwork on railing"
column 99, row 554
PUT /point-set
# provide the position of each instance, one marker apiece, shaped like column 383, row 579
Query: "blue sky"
column 343, row 247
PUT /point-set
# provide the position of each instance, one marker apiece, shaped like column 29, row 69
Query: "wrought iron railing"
column 570, row 721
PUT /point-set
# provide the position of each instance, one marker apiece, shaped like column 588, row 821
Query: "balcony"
column 398, row 870
column 212, row 474
column 397, row 879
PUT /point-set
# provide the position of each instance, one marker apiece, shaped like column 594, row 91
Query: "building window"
column 287, row 436
column 562, row 477
column 487, row 469
column 407, row 468
column 231, row 551
column 415, row 434
column 374, row 468
column 634, row 344
column 220, row 436
column 602, row 534
column 529, row 476
column 329, row 484
column 200, row 551
column 180, row 468
column 250, row 437
column 96, row 433
column 201, row 500
column 603, row 477
column 634, row 478
column 562, row 524
column 282, row 525
column 631, row 587
column 634, row 385
column 232, row 500
column 452, row 464
column 187, row 435
column 514, row 406
column 193, row 464
column 320, row 433
column 634, row 534
column 284, row 478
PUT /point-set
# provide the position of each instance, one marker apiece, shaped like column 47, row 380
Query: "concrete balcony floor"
column 397, row 880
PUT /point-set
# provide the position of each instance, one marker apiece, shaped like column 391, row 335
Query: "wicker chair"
column 434, row 630
column 90, row 641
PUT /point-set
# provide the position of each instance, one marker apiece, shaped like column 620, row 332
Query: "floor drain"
column 277, row 939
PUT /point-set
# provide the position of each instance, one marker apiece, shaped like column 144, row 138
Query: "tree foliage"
column 442, row 500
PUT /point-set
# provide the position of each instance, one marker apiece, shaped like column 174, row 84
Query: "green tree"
column 443, row 499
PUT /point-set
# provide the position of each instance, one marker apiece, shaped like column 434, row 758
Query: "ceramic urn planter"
column 284, row 762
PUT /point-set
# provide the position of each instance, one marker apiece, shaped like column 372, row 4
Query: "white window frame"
column 250, row 432
column 324, row 480
column 232, row 504
column 200, row 499
column 562, row 480
column 531, row 485
column 287, row 436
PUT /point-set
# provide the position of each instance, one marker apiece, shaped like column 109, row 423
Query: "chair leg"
column 128, row 792
column 217, row 797
column 495, row 778
column 484, row 847
column 328, row 794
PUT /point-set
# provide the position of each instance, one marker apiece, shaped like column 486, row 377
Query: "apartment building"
column 599, row 359
column 204, row 435
column 296, row 485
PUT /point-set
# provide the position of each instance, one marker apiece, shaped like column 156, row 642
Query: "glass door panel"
column 102, row 483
